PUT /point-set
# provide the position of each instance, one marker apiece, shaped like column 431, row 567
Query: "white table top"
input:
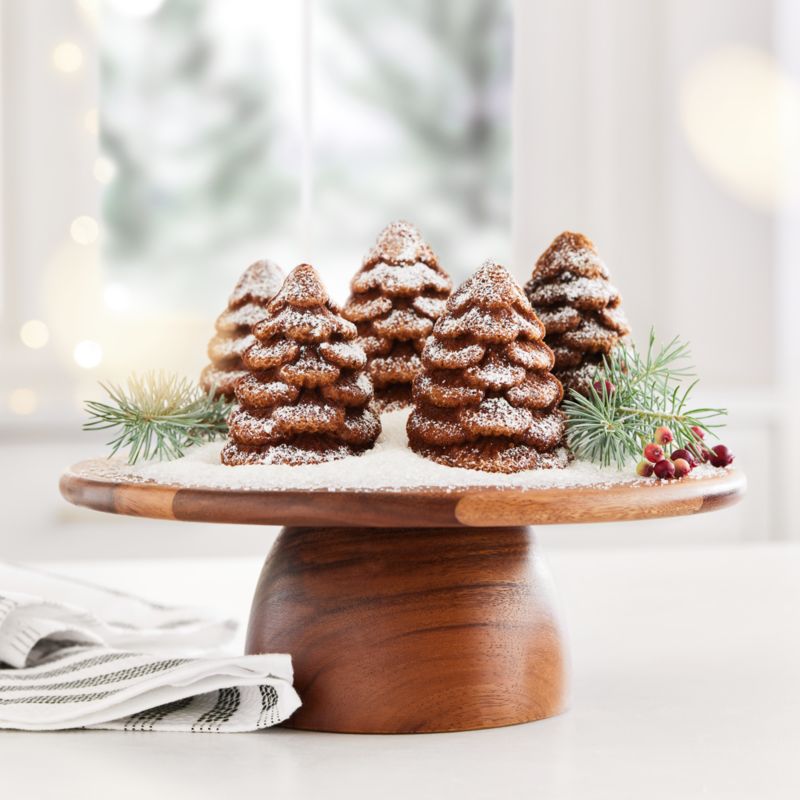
column 686, row 684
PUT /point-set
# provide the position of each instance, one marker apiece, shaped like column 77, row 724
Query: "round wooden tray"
column 108, row 486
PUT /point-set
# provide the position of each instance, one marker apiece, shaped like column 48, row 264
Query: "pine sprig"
column 158, row 415
column 613, row 423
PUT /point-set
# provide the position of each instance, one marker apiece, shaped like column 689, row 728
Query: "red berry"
column 604, row 387
column 663, row 435
column 682, row 467
column 698, row 433
column 652, row 452
column 721, row 456
column 686, row 455
column 664, row 469
column 699, row 452
column 644, row 468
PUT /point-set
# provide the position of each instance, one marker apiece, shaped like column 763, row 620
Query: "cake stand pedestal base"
column 395, row 630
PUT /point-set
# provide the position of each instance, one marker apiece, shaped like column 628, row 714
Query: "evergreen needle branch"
column 157, row 415
column 616, row 419
column 667, row 417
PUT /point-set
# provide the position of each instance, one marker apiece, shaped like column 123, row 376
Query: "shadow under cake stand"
column 407, row 610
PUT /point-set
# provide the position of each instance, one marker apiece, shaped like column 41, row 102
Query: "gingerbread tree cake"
column 306, row 397
column 485, row 398
column 571, row 293
column 258, row 284
column 397, row 295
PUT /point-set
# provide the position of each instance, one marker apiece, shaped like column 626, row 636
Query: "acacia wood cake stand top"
column 108, row 486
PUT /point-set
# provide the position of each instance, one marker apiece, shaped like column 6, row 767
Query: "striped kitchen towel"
column 74, row 655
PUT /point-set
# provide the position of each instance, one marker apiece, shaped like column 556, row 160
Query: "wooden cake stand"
column 407, row 610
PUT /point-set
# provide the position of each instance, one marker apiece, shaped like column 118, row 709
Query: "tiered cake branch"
column 259, row 283
column 397, row 295
column 486, row 399
column 306, row 397
column 571, row 294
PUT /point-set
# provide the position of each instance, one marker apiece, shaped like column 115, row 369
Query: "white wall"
column 601, row 148
column 47, row 152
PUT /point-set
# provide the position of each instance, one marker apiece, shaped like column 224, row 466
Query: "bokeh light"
column 117, row 297
column 78, row 307
column 84, row 230
column 104, row 170
column 90, row 9
column 88, row 354
column 741, row 117
column 23, row 401
column 67, row 57
column 34, row 334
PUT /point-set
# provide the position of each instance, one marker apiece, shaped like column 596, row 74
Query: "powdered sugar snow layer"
column 389, row 465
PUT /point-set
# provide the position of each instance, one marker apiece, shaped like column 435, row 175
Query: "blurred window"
column 201, row 131
column 412, row 118
column 153, row 148
column 234, row 130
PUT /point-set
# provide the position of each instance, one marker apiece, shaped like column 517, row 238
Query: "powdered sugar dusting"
column 579, row 260
column 572, row 252
column 490, row 287
column 259, row 283
column 304, row 290
column 400, row 243
column 597, row 290
column 408, row 279
column 390, row 465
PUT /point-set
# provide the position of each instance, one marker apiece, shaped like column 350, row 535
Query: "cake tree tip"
column 491, row 284
column 400, row 242
column 258, row 283
column 302, row 286
column 574, row 240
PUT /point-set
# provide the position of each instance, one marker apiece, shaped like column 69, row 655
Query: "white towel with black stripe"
column 74, row 655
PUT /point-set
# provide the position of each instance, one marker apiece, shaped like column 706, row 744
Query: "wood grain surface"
column 408, row 630
column 107, row 486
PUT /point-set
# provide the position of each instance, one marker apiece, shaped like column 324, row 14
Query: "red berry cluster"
column 681, row 461
column 602, row 387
